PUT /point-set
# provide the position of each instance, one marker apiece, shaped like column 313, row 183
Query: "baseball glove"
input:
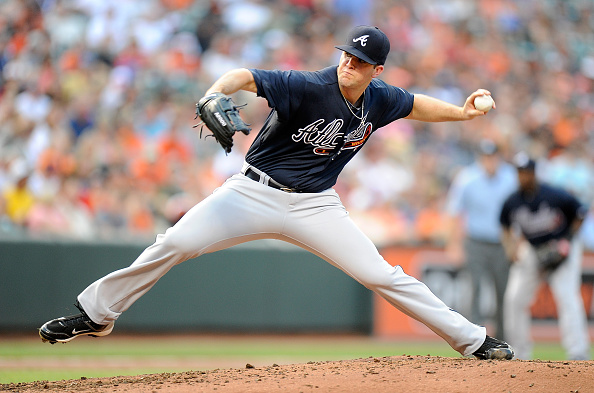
column 219, row 113
column 552, row 254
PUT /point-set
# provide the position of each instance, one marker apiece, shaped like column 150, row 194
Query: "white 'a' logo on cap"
column 363, row 39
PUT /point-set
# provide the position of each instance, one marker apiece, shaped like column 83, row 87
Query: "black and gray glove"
column 220, row 115
column 552, row 254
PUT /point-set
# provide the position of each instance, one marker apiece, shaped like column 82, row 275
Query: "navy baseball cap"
column 368, row 43
column 487, row 147
column 523, row 162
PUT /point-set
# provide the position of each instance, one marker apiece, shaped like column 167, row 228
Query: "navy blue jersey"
column 547, row 215
column 311, row 134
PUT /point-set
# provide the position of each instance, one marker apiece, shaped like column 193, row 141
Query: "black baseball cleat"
column 493, row 348
column 65, row 329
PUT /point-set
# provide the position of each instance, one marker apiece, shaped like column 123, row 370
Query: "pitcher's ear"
column 378, row 70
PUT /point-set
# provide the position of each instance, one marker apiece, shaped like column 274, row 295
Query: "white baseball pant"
column 565, row 283
column 242, row 210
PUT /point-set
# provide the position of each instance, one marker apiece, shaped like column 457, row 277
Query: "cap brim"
column 526, row 168
column 356, row 52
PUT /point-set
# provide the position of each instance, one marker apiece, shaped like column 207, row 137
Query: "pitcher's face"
column 354, row 72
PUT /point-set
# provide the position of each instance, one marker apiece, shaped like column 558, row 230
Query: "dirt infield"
column 385, row 374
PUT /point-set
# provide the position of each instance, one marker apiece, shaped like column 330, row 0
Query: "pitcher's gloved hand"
column 220, row 115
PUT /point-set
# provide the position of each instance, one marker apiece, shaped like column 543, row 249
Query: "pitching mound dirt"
column 387, row 374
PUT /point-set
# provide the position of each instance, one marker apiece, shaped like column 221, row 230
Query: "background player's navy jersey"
column 310, row 134
column 544, row 216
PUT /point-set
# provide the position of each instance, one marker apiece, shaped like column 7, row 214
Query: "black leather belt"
column 250, row 173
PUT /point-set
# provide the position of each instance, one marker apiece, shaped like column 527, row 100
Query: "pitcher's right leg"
column 233, row 214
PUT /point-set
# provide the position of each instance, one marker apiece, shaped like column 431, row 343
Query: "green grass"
column 27, row 359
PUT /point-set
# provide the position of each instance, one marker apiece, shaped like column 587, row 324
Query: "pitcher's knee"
column 376, row 279
column 177, row 242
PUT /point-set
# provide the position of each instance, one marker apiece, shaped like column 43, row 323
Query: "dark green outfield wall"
column 259, row 287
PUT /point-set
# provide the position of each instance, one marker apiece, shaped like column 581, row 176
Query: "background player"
column 319, row 121
column 547, row 220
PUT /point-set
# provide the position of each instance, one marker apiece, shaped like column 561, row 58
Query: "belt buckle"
column 287, row 189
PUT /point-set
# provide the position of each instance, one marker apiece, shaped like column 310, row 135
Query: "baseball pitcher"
column 318, row 121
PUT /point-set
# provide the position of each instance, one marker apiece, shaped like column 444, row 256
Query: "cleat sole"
column 498, row 354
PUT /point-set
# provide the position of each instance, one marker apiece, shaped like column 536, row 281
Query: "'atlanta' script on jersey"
column 326, row 140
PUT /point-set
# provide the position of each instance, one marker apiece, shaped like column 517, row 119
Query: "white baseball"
column 483, row 103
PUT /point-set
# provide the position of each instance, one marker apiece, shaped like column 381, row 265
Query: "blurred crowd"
column 97, row 104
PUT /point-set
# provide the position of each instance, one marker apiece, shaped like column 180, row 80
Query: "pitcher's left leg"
column 331, row 234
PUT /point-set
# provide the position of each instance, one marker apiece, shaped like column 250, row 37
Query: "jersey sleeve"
column 573, row 208
column 398, row 102
column 404, row 102
column 504, row 216
column 282, row 89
